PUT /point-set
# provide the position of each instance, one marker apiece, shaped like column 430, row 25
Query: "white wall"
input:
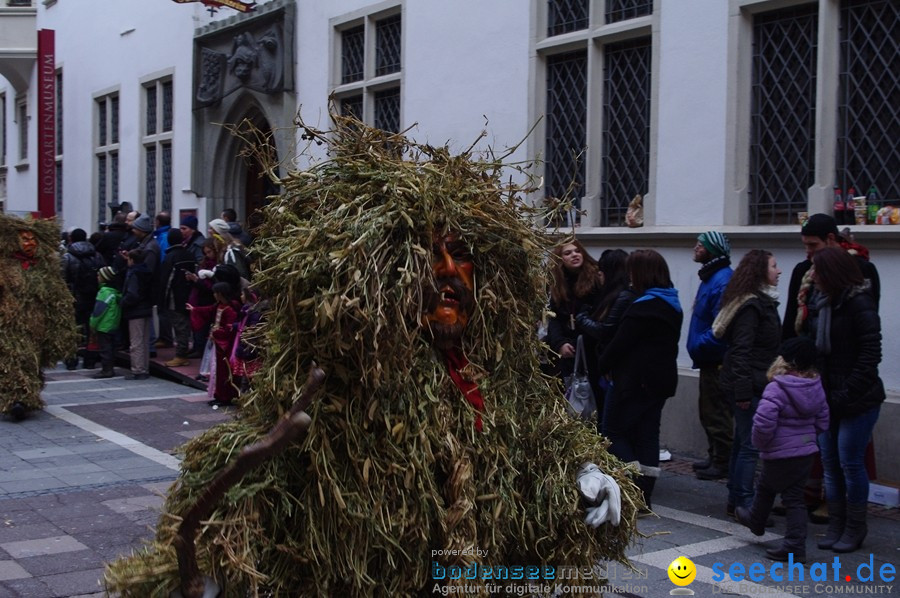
column 690, row 171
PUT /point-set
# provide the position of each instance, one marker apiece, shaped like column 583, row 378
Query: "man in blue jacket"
column 713, row 251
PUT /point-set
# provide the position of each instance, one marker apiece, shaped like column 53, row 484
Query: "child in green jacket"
column 105, row 320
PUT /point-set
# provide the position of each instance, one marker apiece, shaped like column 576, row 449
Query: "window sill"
column 22, row 166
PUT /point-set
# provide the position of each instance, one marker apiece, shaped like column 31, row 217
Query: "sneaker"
column 178, row 362
column 136, row 376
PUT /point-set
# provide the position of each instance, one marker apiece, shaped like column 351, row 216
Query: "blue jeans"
column 744, row 456
column 843, row 449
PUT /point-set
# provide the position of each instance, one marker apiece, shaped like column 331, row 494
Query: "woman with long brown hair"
column 748, row 322
column 843, row 320
column 641, row 359
column 575, row 282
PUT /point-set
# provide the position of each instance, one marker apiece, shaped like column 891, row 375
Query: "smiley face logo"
column 682, row 571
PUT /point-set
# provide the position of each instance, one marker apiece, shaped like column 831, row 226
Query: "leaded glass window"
column 564, row 168
column 625, row 167
column 622, row 10
column 387, row 46
column 101, row 122
column 151, row 110
column 150, row 179
column 166, row 191
column 114, row 177
column 353, row 44
column 114, row 119
column 565, row 16
column 387, row 110
column 167, row 106
column 352, row 106
column 783, row 118
column 868, row 141
column 101, row 187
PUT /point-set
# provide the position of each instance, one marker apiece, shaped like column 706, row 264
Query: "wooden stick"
column 288, row 428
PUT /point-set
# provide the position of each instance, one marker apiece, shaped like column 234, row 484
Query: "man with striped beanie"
column 713, row 252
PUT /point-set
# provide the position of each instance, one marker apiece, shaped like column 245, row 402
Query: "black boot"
column 745, row 517
column 646, row 484
column 855, row 530
column 17, row 411
column 104, row 373
column 71, row 363
column 837, row 517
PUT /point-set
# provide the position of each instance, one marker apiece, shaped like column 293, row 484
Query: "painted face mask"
column 28, row 243
column 449, row 304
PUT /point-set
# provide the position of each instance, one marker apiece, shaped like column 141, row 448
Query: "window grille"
column 352, row 54
column 101, row 123
column 622, row 10
column 352, row 106
column 387, row 46
column 868, row 143
column 151, row 110
column 564, row 168
column 565, row 16
column 166, row 191
column 101, row 186
column 22, row 116
column 114, row 177
column 150, row 180
column 387, row 110
column 114, row 119
column 167, row 106
column 783, row 114
column 625, row 167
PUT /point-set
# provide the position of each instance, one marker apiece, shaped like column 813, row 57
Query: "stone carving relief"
column 253, row 62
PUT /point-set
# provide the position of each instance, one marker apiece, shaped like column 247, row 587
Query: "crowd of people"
column 142, row 285
column 800, row 394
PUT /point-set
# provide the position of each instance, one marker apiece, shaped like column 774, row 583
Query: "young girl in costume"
column 245, row 360
column 791, row 414
column 223, row 314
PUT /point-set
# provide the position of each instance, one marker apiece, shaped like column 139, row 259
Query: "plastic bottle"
column 838, row 205
column 872, row 204
column 850, row 207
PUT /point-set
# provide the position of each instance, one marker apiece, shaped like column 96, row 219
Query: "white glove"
column 205, row 274
column 602, row 492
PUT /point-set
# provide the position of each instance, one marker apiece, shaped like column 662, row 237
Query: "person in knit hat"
column 193, row 238
column 234, row 253
column 105, row 320
column 713, row 252
column 791, row 414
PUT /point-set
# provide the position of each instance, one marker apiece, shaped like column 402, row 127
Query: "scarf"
column 26, row 261
column 823, row 323
column 456, row 362
column 712, row 266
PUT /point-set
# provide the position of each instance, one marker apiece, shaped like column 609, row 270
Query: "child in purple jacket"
column 789, row 417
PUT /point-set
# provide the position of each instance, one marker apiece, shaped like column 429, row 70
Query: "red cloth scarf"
column 26, row 261
column 456, row 361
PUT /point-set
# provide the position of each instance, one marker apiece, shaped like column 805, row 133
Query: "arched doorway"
column 258, row 186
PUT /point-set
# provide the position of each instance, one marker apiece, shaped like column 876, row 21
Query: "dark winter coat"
column 195, row 245
column 174, row 287
column 602, row 332
column 561, row 328
column 642, row 355
column 789, row 417
column 703, row 347
column 850, row 371
column 110, row 241
column 752, row 337
column 137, row 299
column 80, row 265
column 869, row 272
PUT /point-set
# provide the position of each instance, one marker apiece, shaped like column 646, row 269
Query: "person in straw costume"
column 413, row 278
column 36, row 314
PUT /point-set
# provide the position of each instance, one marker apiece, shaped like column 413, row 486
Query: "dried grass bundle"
column 36, row 312
column 392, row 467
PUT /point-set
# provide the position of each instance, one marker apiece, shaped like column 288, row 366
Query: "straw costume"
column 36, row 311
column 396, row 463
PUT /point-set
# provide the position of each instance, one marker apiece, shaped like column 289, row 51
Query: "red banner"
column 46, row 124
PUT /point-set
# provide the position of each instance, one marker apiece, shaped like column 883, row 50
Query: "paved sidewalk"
column 81, row 484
